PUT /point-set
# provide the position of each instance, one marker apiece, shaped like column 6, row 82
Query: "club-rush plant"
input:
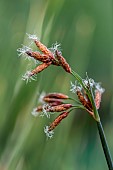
column 88, row 91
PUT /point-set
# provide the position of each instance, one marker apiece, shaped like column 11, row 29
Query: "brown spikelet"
column 41, row 57
column 86, row 102
column 63, row 62
column 98, row 96
column 57, row 121
column 51, row 100
column 40, row 68
column 89, row 104
column 57, row 96
column 81, row 97
column 59, row 108
column 43, row 48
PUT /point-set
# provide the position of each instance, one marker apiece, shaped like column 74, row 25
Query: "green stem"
column 80, row 80
column 105, row 146
column 97, row 118
column 75, row 100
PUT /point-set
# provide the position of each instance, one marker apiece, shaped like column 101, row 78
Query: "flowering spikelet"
column 41, row 57
column 86, row 103
column 98, row 96
column 52, row 100
column 63, row 62
column 40, row 68
column 52, row 107
column 43, row 48
column 89, row 104
column 55, row 98
column 57, row 121
column 59, row 108
column 56, row 95
column 81, row 98
column 47, row 57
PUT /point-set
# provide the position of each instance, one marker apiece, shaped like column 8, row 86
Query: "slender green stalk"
column 105, row 146
column 78, row 78
column 97, row 119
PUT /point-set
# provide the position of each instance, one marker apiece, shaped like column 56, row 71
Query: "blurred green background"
column 85, row 31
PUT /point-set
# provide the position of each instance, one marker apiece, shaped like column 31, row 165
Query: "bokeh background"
column 85, row 31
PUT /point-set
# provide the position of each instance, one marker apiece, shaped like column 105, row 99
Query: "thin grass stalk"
column 105, row 146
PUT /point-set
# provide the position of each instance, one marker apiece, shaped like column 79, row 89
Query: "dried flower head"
column 57, row 121
column 43, row 48
column 47, row 57
column 80, row 90
column 59, row 108
column 52, row 100
column 63, row 62
column 56, row 96
column 38, row 56
column 40, row 68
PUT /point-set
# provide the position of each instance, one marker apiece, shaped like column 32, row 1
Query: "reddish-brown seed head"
column 98, row 96
column 63, row 62
column 52, row 100
column 43, row 48
column 56, row 95
column 38, row 56
column 57, row 121
column 84, row 100
column 40, row 68
column 59, row 108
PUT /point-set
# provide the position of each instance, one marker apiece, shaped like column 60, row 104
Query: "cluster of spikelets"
column 45, row 56
column 51, row 103
column 86, row 90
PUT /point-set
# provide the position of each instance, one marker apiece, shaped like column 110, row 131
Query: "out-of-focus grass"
column 84, row 29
